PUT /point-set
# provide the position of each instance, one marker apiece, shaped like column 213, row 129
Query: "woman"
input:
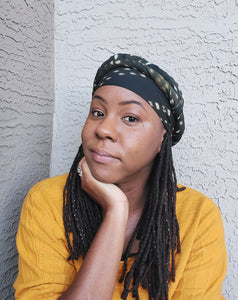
column 130, row 230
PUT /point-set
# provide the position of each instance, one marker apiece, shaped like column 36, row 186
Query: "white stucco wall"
column 197, row 43
column 26, row 114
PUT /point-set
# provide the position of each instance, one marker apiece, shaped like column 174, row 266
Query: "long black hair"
column 157, row 229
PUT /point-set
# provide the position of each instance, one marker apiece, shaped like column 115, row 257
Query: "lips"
column 102, row 156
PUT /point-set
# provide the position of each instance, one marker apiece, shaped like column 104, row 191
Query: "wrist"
column 118, row 211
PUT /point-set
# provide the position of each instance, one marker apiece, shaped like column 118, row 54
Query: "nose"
column 108, row 129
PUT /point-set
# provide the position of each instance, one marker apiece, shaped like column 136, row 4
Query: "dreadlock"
column 157, row 229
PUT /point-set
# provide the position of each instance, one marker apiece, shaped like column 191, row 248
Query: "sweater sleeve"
column 44, row 271
column 204, row 264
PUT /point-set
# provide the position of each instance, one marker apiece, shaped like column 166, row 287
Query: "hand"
column 105, row 194
column 97, row 275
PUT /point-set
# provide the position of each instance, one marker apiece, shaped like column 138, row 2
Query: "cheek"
column 142, row 148
column 153, row 138
column 85, row 131
column 83, row 134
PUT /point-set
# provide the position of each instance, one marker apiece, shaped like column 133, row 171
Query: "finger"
column 88, row 179
column 79, row 171
column 80, row 167
column 85, row 168
column 86, row 175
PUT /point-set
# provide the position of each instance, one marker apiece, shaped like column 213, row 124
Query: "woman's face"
column 121, row 136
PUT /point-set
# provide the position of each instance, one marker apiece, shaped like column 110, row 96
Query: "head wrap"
column 151, row 83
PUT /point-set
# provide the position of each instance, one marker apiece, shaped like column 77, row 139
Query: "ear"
column 161, row 138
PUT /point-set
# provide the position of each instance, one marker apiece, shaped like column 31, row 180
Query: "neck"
column 136, row 195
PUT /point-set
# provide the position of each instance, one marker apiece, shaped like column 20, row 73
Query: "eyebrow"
column 100, row 98
column 121, row 103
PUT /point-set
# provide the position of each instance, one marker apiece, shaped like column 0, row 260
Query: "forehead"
column 119, row 95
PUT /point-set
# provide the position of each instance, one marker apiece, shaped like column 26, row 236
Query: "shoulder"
column 50, row 187
column 44, row 269
column 198, row 214
column 52, row 184
column 191, row 201
column 46, row 196
column 203, row 252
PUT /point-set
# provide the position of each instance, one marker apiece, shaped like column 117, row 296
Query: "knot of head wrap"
column 167, row 102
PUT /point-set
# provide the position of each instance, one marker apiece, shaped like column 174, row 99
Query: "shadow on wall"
column 11, row 204
column 26, row 113
column 14, row 185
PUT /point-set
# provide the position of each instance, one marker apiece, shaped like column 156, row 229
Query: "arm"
column 201, row 266
column 97, row 275
column 44, row 271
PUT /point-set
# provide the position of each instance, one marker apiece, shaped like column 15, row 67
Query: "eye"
column 97, row 113
column 131, row 119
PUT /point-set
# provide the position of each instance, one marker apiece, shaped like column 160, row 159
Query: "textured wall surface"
column 197, row 43
column 26, row 112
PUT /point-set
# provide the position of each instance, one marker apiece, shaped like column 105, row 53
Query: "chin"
column 104, row 177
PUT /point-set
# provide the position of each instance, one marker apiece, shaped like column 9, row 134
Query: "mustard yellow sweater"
column 45, row 272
